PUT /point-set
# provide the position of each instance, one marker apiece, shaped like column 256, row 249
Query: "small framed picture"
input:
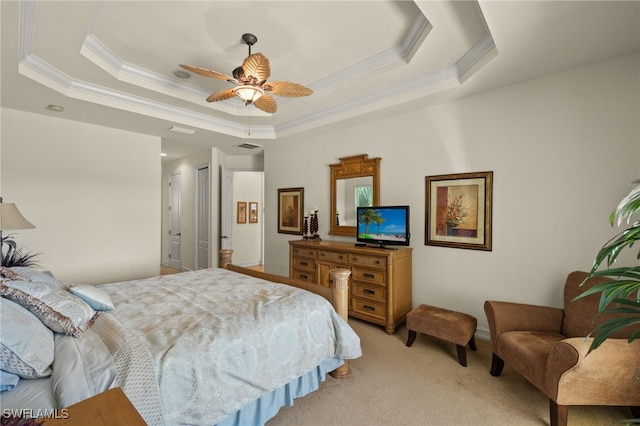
column 253, row 212
column 458, row 210
column 242, row 212
column 290, row 210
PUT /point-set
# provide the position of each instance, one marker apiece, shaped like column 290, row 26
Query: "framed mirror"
column 355, row 182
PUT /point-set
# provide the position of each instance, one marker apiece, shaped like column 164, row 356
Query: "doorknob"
column 224, row 236
column 178, row 234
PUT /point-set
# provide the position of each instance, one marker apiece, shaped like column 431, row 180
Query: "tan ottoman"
column 451, row 326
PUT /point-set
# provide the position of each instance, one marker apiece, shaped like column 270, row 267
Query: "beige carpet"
column 392, row 384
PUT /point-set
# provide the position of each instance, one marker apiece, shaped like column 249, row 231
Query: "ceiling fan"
column 251, row 80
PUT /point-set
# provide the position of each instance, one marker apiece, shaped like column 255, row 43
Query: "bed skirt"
column 266, row 407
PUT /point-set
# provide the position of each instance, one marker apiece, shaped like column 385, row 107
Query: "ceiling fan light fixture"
column 248, row 93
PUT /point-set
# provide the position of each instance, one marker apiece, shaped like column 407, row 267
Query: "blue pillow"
column 26, row 345
column 96, row 298
column 8, row 381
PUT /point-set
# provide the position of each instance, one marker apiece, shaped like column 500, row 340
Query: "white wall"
column 562, row 149
column 92, row 192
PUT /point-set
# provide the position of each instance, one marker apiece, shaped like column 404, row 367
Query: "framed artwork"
column 242, row 212
column 253, row 212
column 290, row 210
column 458, row 211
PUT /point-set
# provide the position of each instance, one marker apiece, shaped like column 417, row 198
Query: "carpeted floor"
column 392, row 384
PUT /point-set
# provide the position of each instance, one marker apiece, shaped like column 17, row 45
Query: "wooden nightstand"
column 111, row 408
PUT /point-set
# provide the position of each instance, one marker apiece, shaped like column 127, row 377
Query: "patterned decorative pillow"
column 96, row 298
column 58, row 309
column 6, row 273
column 30, row 274
column 26, row 345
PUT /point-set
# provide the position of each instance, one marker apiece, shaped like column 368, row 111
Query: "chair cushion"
column 527, row 352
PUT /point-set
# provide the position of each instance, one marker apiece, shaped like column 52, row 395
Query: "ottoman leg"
column 411, row 338
column 462, row 355
column 472, row 343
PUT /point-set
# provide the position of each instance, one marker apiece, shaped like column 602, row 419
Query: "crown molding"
column 93, row 49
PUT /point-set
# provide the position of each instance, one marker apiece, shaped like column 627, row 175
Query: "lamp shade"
column 11, row 218
column 248, row 93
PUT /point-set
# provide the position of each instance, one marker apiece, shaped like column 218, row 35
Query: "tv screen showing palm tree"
column 383, row 225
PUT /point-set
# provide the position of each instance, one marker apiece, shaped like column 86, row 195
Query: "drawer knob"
column 368, row 308
column 304, row 277
column 304, row 263
column 366, row 275
column 368, row 291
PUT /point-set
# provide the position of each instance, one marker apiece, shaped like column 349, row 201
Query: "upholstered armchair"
column 548, row 347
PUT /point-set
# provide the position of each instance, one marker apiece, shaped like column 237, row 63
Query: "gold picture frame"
column 459, row 210
column 253, row 212
column 290, row 210
column 242, row 212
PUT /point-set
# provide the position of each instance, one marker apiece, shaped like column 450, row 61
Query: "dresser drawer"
column 304, row 263
column 368, row 307
column 365, row 260
column 302, row 275
column 334, row 256
column 370, row 291
column 297, row 251
column 368, row 275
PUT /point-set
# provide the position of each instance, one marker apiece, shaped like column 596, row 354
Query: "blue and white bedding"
column 197, row 347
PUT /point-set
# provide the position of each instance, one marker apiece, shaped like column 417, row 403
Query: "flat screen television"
column 383, row 226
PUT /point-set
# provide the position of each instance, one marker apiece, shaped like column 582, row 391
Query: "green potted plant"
column 616, row 294
column 14, row 255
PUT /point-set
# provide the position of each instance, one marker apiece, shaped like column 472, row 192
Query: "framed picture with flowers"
column 458, row 210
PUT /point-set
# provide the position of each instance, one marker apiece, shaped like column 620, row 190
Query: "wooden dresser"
column 380, row 284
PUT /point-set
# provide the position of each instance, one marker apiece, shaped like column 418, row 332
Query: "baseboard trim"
column 483, row 334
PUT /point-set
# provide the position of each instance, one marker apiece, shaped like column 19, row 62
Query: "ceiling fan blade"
column 256, row 68
column 287, row 89
column 209, row 73
column 267, row 104
column 221, row 96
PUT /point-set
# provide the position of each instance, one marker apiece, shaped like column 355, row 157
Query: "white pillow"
column 58, row 309
column 96, row 298
column 26, row 345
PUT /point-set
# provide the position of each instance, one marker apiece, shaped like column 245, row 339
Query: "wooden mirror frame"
column 352, row 167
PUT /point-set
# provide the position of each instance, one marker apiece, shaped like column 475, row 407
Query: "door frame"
column 208, row 216
column 171, row 232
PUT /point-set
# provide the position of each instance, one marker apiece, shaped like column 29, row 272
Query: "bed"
column 217, row 346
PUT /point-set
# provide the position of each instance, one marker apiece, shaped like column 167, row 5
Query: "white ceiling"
column 112, row 63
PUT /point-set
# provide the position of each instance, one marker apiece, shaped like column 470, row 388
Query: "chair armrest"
column 609, row 375
column 508, row 316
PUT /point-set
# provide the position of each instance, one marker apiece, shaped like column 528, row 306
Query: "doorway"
column 203, row 218
column 175, row 221
column 244, row 234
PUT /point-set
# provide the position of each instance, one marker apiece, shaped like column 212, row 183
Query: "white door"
column 175, row 221
column 226, row 210
column 202, row 220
